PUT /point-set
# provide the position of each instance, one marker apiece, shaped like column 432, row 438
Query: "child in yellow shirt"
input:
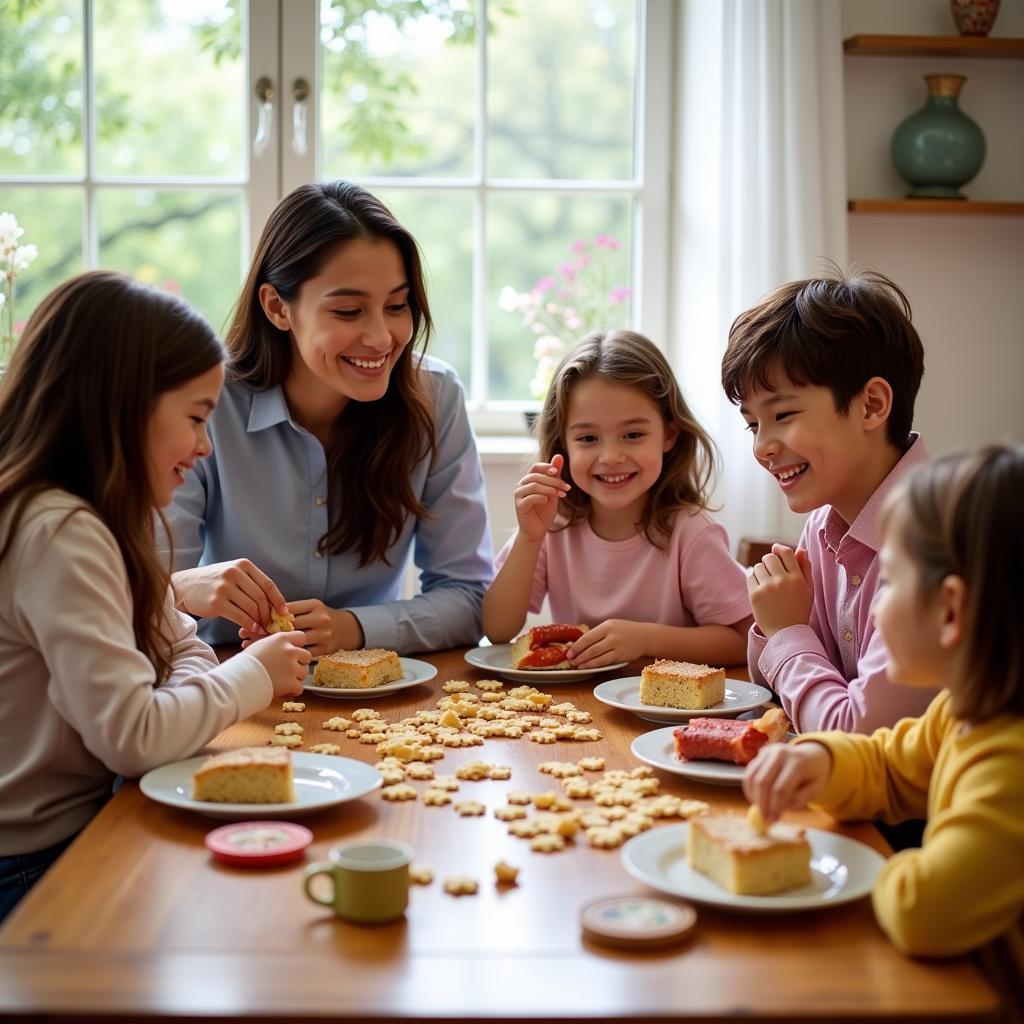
column 953, row 613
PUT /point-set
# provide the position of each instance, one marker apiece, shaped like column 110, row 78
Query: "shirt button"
column 847, row 636
column 855, row 580
column 318, row 554
column 319, row 501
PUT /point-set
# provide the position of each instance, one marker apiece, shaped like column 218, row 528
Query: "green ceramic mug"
column 369, row 879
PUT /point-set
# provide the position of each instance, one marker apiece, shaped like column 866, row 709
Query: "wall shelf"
column 960, row 207
column 934, row 46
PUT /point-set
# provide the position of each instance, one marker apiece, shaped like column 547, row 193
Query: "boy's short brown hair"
column 837, row 332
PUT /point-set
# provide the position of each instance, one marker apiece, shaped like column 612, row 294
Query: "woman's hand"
column 537, row 497
column 327, row 629
column 784, row 777
column 612, row 641
column 238, row 591
column 286, row 660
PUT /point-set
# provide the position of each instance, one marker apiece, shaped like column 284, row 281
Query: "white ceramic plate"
column 494, row 659
column 658, row 748
column 842, row 869
column 413, row 673
column 321, row 780
column 625, row 694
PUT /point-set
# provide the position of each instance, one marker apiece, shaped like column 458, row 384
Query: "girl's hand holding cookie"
column 783, row 777
column 537, row 497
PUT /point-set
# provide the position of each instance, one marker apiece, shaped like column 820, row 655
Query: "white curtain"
column 759, row 199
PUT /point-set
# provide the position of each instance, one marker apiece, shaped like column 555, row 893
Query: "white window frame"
column 282, row 39
column 649, row 188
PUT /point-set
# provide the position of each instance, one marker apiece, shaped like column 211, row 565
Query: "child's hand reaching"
column 781, row 590
column 537, row 497
column 612, row 641
column 783, row 777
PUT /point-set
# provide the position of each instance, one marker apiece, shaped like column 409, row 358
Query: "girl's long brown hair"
column 959, row 515
column 625, row 357
column 75, row 405
column 375, row 445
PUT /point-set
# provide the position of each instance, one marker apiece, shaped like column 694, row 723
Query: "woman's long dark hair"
column 75, row 406
column 375, row 445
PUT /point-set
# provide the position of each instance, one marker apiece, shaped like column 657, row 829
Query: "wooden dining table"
column 137, row 921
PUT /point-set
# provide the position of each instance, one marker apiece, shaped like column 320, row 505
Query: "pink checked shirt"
column 830, row 674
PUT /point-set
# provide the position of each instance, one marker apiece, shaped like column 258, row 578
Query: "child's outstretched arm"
column 508, row 598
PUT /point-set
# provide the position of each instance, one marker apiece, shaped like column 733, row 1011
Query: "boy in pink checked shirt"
column 825, row 372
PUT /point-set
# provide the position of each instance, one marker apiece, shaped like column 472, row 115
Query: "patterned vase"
column 974, row 17
column 939, row 148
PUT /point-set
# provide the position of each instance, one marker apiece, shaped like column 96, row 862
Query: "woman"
column 338, row 449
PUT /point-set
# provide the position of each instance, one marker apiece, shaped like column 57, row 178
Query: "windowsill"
column 505, row 448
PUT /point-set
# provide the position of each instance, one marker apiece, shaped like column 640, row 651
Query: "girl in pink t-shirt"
column 623, row 542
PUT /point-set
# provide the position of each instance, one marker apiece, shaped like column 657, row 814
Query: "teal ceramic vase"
column 939, row 148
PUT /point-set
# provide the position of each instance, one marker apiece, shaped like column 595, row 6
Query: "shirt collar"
column 865, row 529
column 268, row 409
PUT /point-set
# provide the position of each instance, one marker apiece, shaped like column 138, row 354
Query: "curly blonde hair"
column 628, row 358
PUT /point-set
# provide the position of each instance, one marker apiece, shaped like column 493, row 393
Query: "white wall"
column 962, row 274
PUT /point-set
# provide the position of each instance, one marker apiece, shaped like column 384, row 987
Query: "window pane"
column 568, row 259
column 561, row 109
column 170, row 87
column 398, row 88
column 186, row 242
column 442, row 224
column 52, row 220
column 41, row 88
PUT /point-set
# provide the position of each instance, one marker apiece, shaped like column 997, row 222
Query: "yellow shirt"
column 965, row 886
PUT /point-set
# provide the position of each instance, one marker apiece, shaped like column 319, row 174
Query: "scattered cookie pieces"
column 286, row 741
column 420, row 874
column 436, row 797
column 325, row 748
column 293, row 705
column 288, row 729
column 460, row 885
column 506, row 874
column 401, row 791
column 468, row 808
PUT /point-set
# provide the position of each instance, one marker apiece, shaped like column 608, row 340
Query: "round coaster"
column 258, row 844
column 637, row 922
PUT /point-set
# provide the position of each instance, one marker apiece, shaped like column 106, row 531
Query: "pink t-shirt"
column 692, row 582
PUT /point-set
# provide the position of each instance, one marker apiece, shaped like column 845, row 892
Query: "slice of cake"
column 728, row 849
column 251, row 775
column 545, row 647
column 681, row 684
column 729, row 739
column 353, row 670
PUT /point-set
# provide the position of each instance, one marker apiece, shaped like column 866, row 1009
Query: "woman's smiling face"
column 350, row 323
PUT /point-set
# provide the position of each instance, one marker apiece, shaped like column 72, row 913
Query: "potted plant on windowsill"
column 14, row 259
column 562, row 308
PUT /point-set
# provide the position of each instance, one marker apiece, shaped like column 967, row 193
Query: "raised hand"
column 781, row 589
column 537, row 497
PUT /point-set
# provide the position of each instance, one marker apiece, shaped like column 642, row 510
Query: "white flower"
column 22, row 257
column 548, row 345
column 9, row 234
column 509, row 299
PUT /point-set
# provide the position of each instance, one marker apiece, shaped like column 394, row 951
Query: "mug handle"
column 307, row 878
